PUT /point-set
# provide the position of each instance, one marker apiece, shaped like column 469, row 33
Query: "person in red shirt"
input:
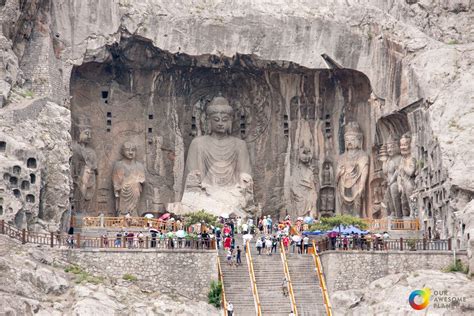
column 227, row 242
column 286, row 243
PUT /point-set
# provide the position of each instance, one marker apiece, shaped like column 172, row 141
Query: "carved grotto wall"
column 157, row 101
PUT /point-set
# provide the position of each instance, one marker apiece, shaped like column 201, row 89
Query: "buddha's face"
column 305, row 155
column 352, row 142
column 393, row 149
column 221, row 123
column 85, row 135
column 405, row 146
column 129, row 151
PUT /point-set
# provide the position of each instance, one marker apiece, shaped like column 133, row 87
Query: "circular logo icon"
column 419, row 299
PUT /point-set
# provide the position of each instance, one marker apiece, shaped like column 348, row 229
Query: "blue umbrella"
column 308, row 220
column 313, row 233
column 347, row 230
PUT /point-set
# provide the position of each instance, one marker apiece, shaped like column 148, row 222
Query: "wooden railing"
column 288, row 278
column 258, row 307
column 130, row 222
column 322, row 282
column 221, row 279
column 385, row 224
column 78, row 241
column 380, row 244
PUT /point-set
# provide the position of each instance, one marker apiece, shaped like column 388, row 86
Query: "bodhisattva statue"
column 352, row 172
column 406, row 173
column 84, row 162
column 218, row 171
column 303, row 187
column 128, row 177
column 390, row 165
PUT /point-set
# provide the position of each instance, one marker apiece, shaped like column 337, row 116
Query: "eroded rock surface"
column 32, row 283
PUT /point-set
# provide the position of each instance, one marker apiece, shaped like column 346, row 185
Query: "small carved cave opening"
column 13, row 181
column 6, row 176
column 3, row 146
column 32, row 178
column 17, row 193
column 159, row 105
column 16, row 170
column 25, row 185
column 31, row 163
column 1, row 210
column 30, row 198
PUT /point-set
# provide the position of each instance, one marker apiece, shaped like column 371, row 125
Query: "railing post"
column 2, row 226
column 23, row 236
column 51, row 235
column 78, row 240
column 424, row 243
column 449, row 244
column 101, row 242
column 146, row 242
column 401, row 243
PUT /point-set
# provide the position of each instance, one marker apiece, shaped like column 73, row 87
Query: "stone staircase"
column 269, row 274
column 238, row 289
column 308, row 295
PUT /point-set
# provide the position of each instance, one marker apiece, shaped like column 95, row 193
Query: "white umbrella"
column 148, row 216
column 181, row 234
column 296, row 238
column 225, row 215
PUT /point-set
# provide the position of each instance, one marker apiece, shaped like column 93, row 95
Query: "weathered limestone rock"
column 390, row 294
column 35, row 156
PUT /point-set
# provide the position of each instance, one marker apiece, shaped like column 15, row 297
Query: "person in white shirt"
column 306, row 243
column 230, row 309
column 239, row 225
column 268, row 246
column 245, row 228
column 246, row 238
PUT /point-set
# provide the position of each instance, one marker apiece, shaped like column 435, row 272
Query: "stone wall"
column 186, row 273
column 355, row 270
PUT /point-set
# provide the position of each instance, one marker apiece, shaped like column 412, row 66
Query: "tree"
column 328, row 223
column 200, row 217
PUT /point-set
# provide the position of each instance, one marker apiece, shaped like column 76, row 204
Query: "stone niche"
column 157, row 101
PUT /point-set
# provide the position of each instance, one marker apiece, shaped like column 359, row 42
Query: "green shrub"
column 129, row 277
column 457, row 267
column 82, row 275
column 215, row 293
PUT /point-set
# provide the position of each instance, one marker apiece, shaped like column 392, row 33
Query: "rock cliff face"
column 33, row 283
column 417, row 56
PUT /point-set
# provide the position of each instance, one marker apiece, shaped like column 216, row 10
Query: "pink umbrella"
column 165, row 216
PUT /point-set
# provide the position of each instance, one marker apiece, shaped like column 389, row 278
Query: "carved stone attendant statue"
column 406, row 173
column 218, row 171
column 390, row 170
column 84, row 162
column 303, row 188
column 128, row 177
column 352, row 171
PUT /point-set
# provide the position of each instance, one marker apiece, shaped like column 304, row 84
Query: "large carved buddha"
column 218, row 171
column 352, row 172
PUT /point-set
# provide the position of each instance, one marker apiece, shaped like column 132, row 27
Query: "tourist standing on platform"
column 245, row 228
column 286, row 242
column 118, row 239
column 274, row 244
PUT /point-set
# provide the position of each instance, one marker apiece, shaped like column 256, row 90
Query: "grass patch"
column 82, row 275
column 129, row 277
column 453, row 42
column 457, row 267
column 215, row 294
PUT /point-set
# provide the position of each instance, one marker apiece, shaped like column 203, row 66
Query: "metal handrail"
column 287, row 275
column 258, row 307
column 221, row 279
column 322, row 282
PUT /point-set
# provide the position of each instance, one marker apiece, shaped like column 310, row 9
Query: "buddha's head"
column 352, row 136
column 129, row 150
column 219, row 114
column 405, row 143
column 393, row 147
column 84, row 129
column 306, row 155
